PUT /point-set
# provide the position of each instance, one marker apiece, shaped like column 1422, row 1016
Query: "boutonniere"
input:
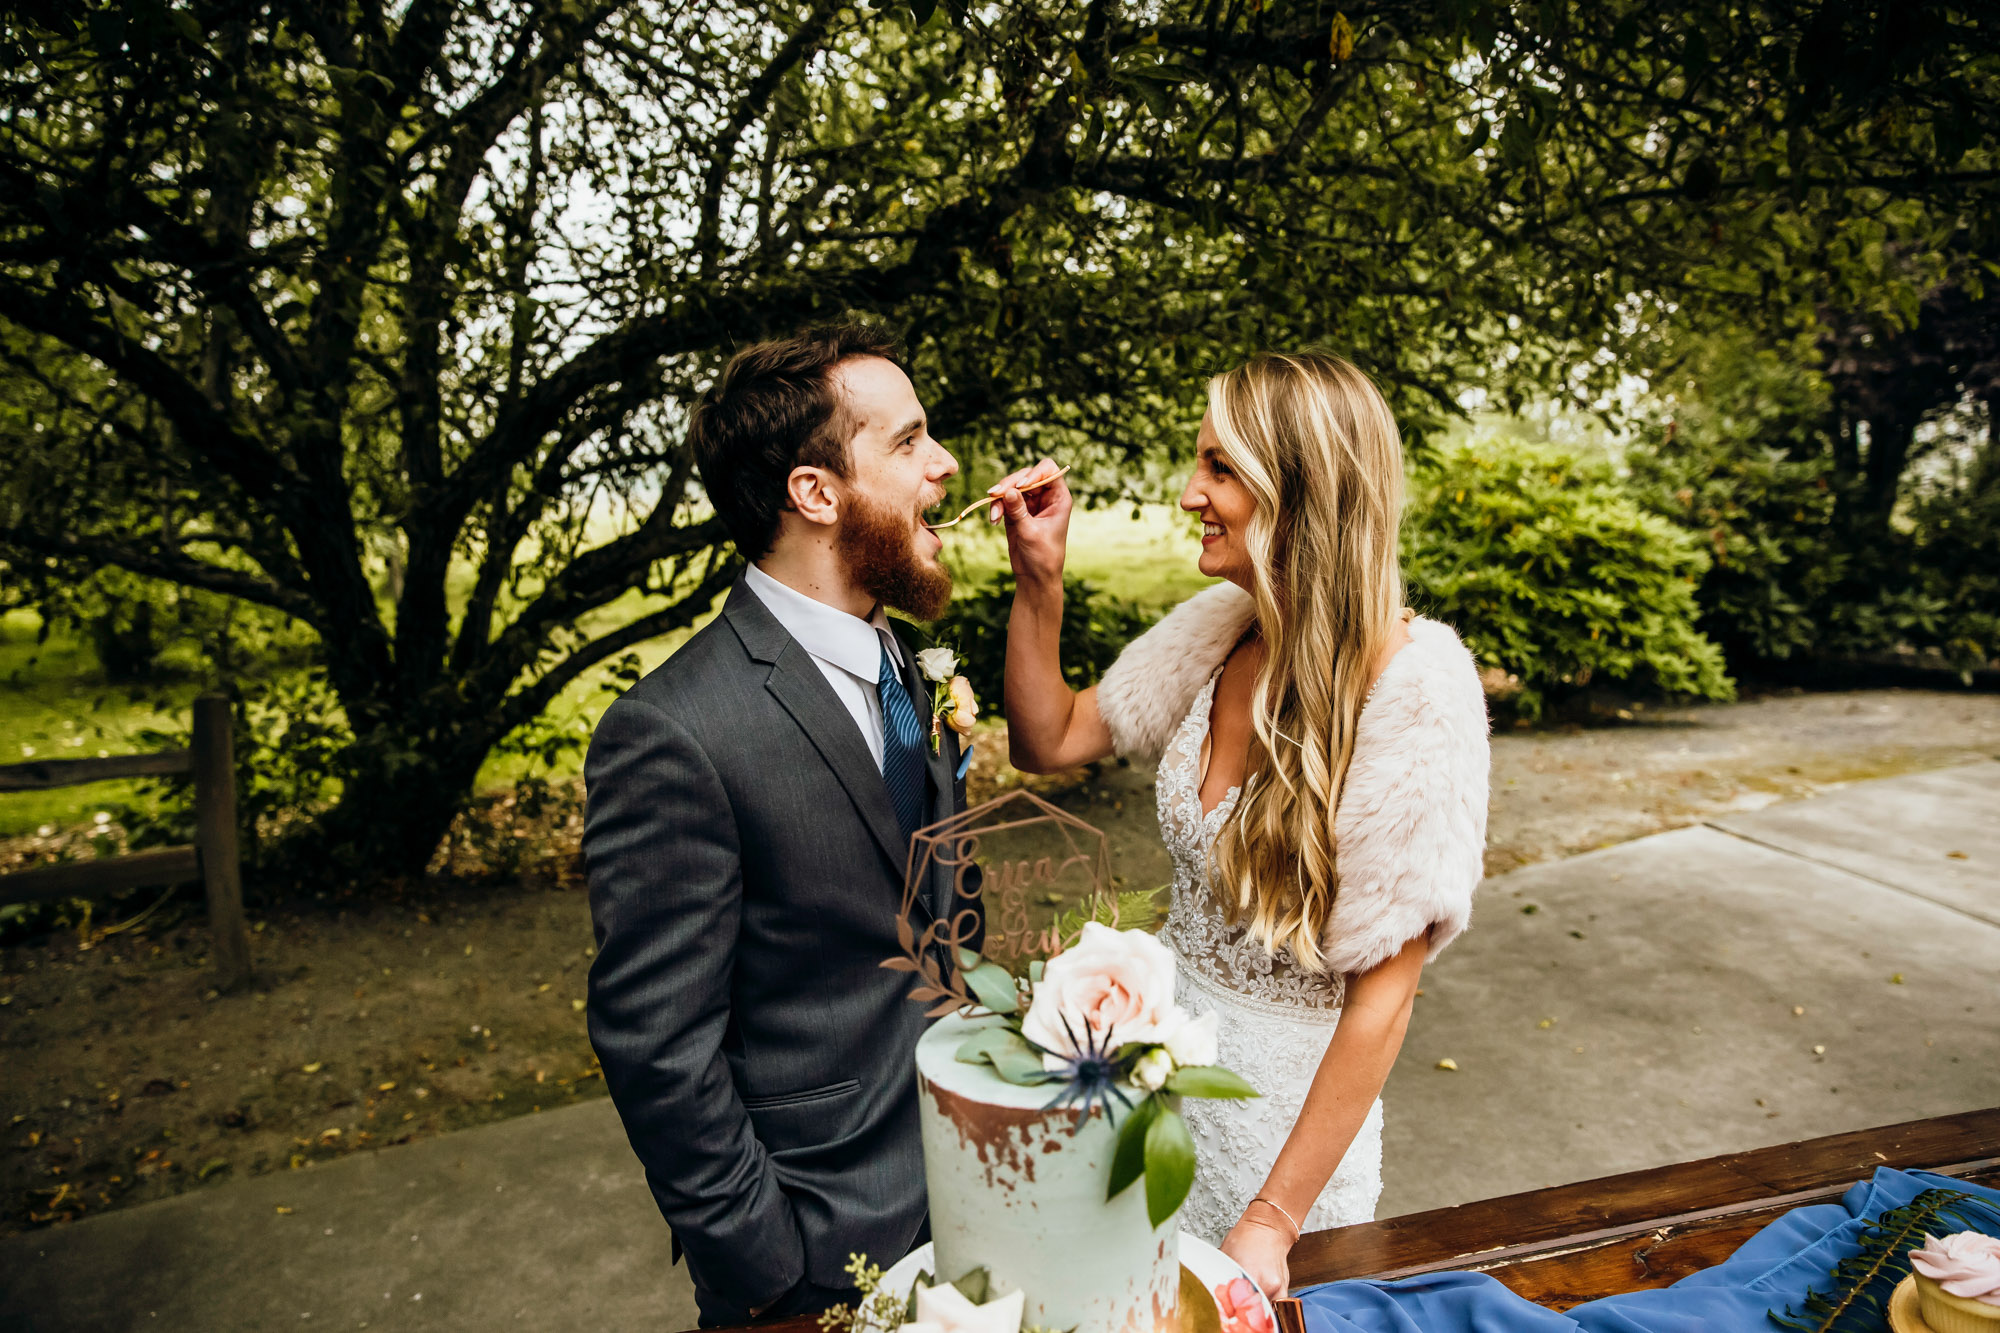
column 952, row 701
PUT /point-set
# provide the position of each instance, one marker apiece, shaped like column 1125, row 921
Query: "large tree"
column 285, row 283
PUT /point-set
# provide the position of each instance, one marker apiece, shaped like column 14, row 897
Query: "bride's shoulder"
column 1412, row 818
column 1431, row 680
column 1146, row 693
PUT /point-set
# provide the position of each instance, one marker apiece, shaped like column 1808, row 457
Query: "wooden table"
column 1574, row 1243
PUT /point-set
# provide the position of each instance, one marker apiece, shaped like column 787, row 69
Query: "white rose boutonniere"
column 952, row 702
column 937, row 664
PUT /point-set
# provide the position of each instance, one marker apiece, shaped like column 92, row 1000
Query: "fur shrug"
column 1410, row 831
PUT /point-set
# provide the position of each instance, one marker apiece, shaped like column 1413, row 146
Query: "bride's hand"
column 1037, row 522
column 1262, row 1249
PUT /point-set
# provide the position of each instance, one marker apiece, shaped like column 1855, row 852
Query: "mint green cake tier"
column 1014, row 1191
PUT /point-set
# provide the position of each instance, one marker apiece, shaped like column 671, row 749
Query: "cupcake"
column 1958, row 1282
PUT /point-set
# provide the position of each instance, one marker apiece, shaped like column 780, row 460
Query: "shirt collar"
column 827, row 632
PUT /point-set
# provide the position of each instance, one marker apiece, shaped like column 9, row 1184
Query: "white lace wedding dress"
column 1275, row 1021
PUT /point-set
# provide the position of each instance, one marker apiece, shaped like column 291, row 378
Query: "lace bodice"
column 1274, row 1021
column 1211, row 951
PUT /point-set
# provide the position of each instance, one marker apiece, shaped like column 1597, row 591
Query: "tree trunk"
column 398, row 802
column 1889, row 440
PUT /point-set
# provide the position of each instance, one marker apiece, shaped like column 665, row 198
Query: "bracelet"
column 1262, row 1198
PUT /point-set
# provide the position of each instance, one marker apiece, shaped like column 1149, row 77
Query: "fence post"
column 216, row 836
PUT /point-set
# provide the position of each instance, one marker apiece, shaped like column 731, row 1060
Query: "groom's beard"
column 878, row 545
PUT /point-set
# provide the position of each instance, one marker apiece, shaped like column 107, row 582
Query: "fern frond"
column 1858, row 1301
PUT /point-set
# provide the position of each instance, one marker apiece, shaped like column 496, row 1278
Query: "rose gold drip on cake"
column 1001, row 1135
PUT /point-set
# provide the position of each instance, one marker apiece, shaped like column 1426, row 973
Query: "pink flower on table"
column 1966, row 1264
column 1242, row 1306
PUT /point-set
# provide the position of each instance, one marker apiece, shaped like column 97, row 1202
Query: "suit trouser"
column 805, row 1298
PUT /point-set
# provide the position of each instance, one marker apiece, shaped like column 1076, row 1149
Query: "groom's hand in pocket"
column 1037, row 521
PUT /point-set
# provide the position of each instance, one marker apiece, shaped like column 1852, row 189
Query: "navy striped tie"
column 902, row 745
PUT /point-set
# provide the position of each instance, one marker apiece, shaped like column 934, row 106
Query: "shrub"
column 1095, row 629
column 1955, row 565
column 1551, row 570
column 1765, row 516
column 289, row 738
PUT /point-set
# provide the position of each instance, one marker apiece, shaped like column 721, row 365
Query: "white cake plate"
column 1210, row 1265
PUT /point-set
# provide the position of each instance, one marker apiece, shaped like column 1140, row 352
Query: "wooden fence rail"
column 214, row 858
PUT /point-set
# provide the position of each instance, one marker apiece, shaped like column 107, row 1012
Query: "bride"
column 1322, row 781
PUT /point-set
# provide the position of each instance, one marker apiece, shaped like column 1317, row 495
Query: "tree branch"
column 527, row 703
column 171, row 566
column 203, row 425
column 587, row 582
column 797, row 48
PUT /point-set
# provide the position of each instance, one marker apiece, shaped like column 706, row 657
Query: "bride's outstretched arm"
column 1049, row 726
column 1373, row 1018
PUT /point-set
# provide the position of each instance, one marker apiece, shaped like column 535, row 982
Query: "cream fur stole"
column 1410, row 833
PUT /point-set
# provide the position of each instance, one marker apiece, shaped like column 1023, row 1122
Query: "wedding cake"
column 1019, row 1190
column 1049, row 1094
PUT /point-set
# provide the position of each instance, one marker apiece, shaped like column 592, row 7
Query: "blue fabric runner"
column 1773, row 1269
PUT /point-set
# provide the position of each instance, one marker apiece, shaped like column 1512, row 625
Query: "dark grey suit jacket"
column 745, row 868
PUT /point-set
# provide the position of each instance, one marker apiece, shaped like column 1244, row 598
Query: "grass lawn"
column 55, row 703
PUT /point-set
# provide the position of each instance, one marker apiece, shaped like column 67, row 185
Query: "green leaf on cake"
column 1208, row 1081
column 1128, row 1159
column 968, row 959
column 976, row 1286
column 979, row 1047
column 924, row 1279
column 993, row 986
column 1035, row 968
column 1007, row 1051
column 1019, row 1065
column 1169, row 1166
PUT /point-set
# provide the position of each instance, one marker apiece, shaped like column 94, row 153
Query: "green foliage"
column 292, row 746
column 1128, row 1155
column 1096, row 626
column 1743, row 454
column 296, row 313
column 993, row 986
column 1209, row 1081
column 1740, row 458
column 1954, row 564
column 1012, row 1058
column 1138, row 909
column 1858, row 1301
column 1169, row 1163
column 1552, row 571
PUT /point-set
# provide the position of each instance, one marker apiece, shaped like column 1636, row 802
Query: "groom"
column 750, row 805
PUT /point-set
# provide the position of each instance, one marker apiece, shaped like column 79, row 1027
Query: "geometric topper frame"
column 955, row 842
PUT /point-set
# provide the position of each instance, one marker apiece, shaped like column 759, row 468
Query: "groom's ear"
column 812, row 494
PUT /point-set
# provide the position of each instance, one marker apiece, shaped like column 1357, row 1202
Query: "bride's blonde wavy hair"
column 1310, row 436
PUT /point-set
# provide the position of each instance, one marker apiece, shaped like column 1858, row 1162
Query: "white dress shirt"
column 846, row 648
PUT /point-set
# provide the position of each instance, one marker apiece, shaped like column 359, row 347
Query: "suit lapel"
column 797, row 683
column 939, row 766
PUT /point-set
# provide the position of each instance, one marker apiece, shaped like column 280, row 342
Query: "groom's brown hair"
column 775, row 408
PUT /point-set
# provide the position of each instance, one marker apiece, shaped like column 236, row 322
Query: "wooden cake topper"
column 1062, row 850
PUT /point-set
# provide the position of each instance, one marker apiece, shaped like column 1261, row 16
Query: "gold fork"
column 994, row 499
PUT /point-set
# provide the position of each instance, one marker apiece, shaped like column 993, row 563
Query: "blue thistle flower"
column 1090, row 1077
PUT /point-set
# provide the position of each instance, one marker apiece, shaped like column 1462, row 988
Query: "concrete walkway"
column 1811, row 968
